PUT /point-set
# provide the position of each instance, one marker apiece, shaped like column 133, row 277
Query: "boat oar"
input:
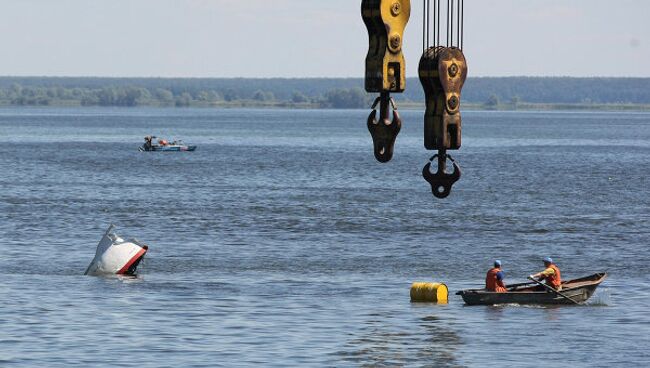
column 516, row 286
column 555, row 291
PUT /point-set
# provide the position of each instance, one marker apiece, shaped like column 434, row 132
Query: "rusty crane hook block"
column 384, row 131
column 386, row 22
column 442, row 72
column 442, row 181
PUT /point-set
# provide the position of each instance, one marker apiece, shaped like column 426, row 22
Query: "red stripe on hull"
column 128, row 265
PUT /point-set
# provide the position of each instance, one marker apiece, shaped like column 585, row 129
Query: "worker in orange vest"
column 551, row 274
column 494, row 279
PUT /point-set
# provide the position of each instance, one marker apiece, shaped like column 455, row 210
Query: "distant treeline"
column 322, row 93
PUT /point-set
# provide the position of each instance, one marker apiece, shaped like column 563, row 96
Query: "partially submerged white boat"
column 115, row 256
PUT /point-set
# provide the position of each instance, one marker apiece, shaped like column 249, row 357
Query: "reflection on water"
column 383, row 342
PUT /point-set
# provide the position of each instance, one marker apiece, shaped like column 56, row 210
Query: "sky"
column 310, row 38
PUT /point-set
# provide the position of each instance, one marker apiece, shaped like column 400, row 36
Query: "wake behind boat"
column 163, row 145
column 578, row 291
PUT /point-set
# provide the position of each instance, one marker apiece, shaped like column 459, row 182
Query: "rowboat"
column 575, row 291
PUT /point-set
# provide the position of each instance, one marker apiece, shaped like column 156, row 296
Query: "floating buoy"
column 429, row 292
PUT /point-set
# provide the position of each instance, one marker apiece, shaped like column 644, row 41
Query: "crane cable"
column 455, row 23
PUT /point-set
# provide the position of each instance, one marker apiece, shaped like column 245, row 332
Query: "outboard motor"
column 115, row 256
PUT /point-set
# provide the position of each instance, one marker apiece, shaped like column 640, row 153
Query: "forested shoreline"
column 482, row 92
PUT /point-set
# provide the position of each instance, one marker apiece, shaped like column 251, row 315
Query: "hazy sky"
column 310, row 38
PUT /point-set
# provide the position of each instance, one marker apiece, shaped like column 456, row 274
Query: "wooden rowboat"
column 578, row 290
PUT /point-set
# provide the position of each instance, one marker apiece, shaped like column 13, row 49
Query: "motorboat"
column 116, row 256
column 163, row 145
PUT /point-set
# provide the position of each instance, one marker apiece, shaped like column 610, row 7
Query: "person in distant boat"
column 494, row 279
column 147, row 143
column 551, row 274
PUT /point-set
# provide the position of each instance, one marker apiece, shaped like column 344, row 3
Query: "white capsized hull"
column 115, row 256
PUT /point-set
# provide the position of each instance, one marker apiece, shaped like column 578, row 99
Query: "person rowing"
column 494, row 279
column 551, row 274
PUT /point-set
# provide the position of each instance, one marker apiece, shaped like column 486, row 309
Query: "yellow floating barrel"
column 429, row 292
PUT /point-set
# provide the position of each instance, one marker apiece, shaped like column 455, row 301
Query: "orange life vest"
column 554, row 280
column 492, row 283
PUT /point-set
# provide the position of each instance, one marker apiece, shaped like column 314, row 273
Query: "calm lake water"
column 281, row 242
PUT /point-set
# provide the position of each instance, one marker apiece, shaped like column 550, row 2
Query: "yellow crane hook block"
column 429, row 292
column 385, row 66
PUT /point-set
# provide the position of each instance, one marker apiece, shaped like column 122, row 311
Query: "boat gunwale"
column 570, row 285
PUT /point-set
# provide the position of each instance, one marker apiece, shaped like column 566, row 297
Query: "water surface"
column 281, row 242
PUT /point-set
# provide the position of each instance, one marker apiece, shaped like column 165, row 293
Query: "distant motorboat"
column 164, row 146
column 115, row 256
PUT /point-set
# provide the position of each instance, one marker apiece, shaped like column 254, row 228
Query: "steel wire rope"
column 425, row 32
column 451, row 12
column 458, row 24
column 438, row 40
column 436, row 6
column 462, row 24
column 447, row 24
column 427, row 10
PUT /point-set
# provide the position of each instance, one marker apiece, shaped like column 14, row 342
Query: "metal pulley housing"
column 386, row 21
column 442, row 71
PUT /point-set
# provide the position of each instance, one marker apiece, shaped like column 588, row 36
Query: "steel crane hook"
column 441, row 182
